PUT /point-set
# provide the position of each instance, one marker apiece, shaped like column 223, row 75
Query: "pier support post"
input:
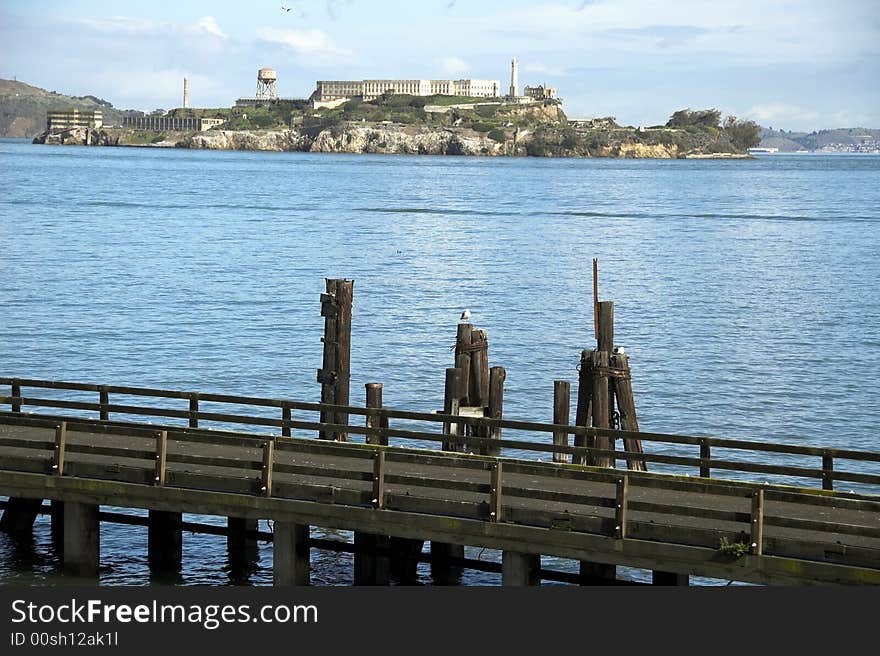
column 669, row 578
column 19, row 515
column 597, row 573
column 291, row 554
column 520, row 569
column 405, row 554
column 165, row 540
column 58, row 525
column 372, row 565
column 443, row 572
column 241, row 546
column 82, row 539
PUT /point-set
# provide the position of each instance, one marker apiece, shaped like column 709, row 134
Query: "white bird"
column 619, row 350
column 466, row 315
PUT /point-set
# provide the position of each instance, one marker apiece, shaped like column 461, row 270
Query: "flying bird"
column 466, row 315
column 285, row 8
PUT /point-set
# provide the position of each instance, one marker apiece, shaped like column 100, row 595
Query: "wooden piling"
column 626, row 406
column 104, row 402
column 497, row 375
column 584, row 409
column 290, row 554
column 561, row 408
column 19, row 515
column 372, row 565
column 463, row 361
column 241, row 542
column 478, row 392
column 451, row 405
column 82, row 539
column 601, row 405
column 335, row 374
column 165, row 540
column 669, row 579
column 520, row 569
column 443, row 572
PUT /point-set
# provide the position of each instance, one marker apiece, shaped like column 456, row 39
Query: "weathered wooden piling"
column 335, row 374
column 601, row 404
column 626, row 408
column 561, row 409
column 291, row 554
column 372, row 565
column 241, row 544
column 584, row 408
column 451, row 406
column 463, row 361
column 82, row 539
column 669, row 579
column 520, row 569
column 165, row 540
column 19, row 515
column 495, row 409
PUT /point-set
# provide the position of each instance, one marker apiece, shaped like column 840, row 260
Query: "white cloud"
column 209, row 25
column 454, row 66
column 539, row 67
column 314, row 42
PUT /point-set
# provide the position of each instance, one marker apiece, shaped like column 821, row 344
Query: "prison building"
column 329, row 90
column 74, row 118
column 170, row 123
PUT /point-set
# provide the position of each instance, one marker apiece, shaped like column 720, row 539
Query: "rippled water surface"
column 745, row 291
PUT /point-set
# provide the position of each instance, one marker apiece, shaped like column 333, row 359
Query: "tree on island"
column 742, row 134
column 706, row 118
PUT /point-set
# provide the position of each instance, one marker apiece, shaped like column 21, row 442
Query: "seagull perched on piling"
column 619, row 350
column 465, row 316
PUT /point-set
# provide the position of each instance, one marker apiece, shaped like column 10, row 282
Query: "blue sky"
column 793, row 64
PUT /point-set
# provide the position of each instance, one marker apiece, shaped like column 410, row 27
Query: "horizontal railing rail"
column 794, row 457
column 768, row 520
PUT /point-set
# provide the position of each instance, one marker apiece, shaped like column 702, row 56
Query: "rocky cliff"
column 380, row 139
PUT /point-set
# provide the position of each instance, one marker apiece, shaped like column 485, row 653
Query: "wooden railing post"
column 60, row 445
column 705, row 458
column 757, row 533
column 827, row 471
column 268, row 463
column 620, row 504
column 104, row 401
column 161, row 453
column 561, row 409
column 495, row 493
column 451, row 406
column 379, row 479
column 376, row 421
column 16, row 396
column 194, row 410
column 285, row 421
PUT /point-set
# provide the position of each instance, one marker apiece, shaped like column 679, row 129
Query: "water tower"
column 267, row 84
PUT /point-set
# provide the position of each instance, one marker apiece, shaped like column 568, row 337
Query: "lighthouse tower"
column 514, row 78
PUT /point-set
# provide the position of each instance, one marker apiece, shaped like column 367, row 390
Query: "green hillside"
column 23, row 108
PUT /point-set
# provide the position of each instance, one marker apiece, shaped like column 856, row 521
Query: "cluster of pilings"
column 472, row 388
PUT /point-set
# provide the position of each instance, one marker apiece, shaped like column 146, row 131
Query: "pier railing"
column 485, row 435
column 764, row 520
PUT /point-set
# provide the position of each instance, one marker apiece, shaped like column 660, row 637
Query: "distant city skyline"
column 796, row 65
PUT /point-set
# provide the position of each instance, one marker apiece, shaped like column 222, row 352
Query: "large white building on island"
column 333, row 90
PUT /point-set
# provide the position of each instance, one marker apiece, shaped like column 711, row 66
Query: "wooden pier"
column 462, row 475
column 260, row 459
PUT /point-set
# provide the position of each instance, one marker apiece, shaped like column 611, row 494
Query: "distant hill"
column 787, row 141
column 23, row 108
